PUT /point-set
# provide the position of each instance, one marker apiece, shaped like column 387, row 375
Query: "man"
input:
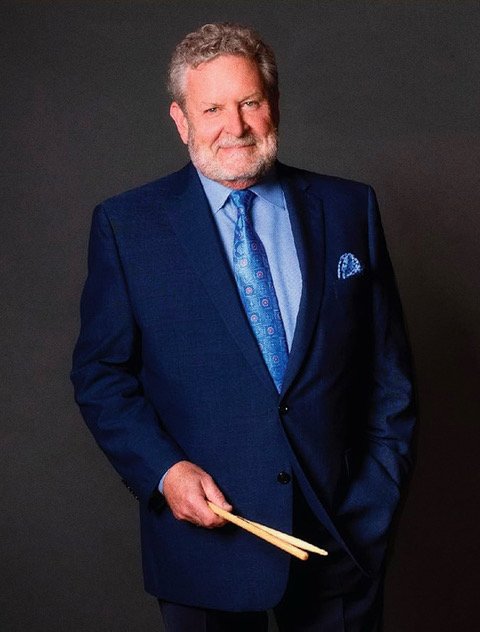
column 242, row 343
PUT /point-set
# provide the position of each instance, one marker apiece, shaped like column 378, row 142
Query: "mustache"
column 245, row 141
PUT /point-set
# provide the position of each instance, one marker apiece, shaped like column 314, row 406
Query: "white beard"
column 254, row 166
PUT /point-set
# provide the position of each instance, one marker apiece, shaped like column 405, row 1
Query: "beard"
column 260, row 156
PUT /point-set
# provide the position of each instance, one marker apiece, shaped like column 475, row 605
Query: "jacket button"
column 283, row 408
column 284, row 478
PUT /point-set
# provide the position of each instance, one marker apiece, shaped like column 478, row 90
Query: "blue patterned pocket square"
column 348, row 265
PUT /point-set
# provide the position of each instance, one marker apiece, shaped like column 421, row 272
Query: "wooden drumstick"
column 259, row 532
column 286, row 537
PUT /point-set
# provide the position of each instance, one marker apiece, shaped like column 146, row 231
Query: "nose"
column 235, row 123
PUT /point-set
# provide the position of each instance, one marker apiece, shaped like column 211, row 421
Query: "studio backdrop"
column 382, row 92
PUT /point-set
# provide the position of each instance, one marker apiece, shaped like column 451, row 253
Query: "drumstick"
column 286, row 537
column 259, row 532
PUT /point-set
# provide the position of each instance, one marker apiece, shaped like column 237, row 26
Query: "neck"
column 237, row 185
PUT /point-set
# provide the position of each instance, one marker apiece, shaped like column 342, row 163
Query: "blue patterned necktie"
column 255, row 285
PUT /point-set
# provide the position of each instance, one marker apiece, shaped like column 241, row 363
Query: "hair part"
column 213, row 40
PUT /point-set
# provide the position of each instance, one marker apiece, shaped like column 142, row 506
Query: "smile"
column 234, row 147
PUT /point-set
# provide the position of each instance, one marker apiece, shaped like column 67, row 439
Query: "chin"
column 246, row 173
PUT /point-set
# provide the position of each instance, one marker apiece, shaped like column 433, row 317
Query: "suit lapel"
column 307, row 221
column 192, row 221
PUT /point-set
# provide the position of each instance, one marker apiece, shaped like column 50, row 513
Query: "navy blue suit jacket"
column 166, row 368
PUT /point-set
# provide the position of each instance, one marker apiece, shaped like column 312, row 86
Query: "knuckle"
column 191, row 501
column 207, row 479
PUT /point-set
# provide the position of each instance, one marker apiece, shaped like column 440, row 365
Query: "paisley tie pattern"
column 255, row 285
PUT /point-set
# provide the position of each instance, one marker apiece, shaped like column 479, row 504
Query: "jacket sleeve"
column 379, row 465
column 106, row 366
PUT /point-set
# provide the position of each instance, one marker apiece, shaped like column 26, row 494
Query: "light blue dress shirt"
column 272, row 224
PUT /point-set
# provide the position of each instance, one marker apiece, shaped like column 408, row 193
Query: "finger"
column 214, row 494
column 205, row 517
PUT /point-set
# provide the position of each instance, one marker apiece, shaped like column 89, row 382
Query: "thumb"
column 213, row 493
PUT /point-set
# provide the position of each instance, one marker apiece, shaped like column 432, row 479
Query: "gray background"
column 383, row 92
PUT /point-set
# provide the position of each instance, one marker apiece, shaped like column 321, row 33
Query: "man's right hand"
column 187, row 488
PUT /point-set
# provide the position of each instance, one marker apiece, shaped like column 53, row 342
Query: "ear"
column 181, row 121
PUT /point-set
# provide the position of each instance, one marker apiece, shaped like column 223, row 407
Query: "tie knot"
column 242, row 199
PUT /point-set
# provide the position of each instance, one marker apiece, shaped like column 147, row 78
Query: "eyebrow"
column 253, row 95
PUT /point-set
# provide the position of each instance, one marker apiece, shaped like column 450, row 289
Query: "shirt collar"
column 268, row 188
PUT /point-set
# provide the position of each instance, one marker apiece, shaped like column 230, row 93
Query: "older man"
column 242, row 343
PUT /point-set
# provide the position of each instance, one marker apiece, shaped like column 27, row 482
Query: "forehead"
column 225, row 76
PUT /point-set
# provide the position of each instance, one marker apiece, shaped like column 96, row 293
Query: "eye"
column 251, row 104
column 211, row 110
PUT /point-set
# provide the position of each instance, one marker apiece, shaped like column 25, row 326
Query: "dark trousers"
column 322, row 595
column 354, row 612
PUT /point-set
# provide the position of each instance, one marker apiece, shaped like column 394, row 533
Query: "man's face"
column 227, row 121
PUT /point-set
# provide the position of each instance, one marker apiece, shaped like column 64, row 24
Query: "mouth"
column 234, row 148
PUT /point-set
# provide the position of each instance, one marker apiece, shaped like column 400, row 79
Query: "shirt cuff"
column 160, row 484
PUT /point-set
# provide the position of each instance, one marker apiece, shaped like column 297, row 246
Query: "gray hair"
column 224, row 38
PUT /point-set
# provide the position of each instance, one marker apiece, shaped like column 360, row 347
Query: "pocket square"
column 348, row 265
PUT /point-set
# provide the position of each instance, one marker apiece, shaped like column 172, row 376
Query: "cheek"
column 262, row 125
column 207, row 134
